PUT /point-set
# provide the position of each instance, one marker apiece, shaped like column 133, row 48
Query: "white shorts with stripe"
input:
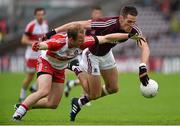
column 93, row 64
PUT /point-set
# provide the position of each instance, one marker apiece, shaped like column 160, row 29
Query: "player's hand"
column 136, row 37
column 48, row 35
column 35, row 46
column 143, row 74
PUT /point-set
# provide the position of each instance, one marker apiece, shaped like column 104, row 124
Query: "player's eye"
column 131, row 22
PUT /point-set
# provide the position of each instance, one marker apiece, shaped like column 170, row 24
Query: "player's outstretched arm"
column 110, row 38
column 84, row 24
column 145, row 52
column 51, row 45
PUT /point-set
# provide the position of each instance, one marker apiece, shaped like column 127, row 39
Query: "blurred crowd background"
column 158, row 19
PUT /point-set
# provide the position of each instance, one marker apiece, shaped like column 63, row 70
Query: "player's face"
column 96, row 14
column 127, row 22
column 40, row 16
column 80, row 39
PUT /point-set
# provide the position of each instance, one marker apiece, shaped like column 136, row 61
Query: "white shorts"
column 93, row 64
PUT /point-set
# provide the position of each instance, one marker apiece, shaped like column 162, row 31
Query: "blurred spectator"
column 4, row 63
column 147, row 2
column 3, row 28
column 175, row 4
column 165, row 8
column 174, row 25
column 1, row 36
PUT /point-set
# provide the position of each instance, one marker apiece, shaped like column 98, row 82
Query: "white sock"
column 105, row 90
column 35, row 86
column 23, row 93
column 20, row 111
column 71, row 83
column 76, row 81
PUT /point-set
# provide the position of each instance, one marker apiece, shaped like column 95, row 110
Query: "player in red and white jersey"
column 99, row 60
column 60, row 50
column 33, row 32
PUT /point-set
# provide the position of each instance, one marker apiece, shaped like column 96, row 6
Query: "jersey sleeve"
column 89, row 41
column 136, row 29
column 101, row 24
column 29, row 29
column 56, row 42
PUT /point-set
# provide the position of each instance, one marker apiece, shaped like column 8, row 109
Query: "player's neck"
column 40, row 22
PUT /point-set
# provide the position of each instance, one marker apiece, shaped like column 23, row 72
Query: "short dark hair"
column 128, row 10
column 39, row 9
column 96, row 7
column 73, row 31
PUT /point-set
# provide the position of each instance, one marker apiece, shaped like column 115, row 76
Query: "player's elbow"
column 22, row 41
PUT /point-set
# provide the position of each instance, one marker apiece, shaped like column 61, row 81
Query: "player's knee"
column 112, row 90
column 43, row 93
column 53, row 106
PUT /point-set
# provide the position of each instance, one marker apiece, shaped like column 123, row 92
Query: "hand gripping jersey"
column 35, row 31
column 59, row 53
column 104, row 26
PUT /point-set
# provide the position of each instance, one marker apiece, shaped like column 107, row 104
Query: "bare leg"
column 110, row 77
column 53, row 98
column 27, row 81
column 44, row 82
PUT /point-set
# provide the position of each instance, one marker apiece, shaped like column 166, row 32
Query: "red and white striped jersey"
column 59, row 53
column 34, row 31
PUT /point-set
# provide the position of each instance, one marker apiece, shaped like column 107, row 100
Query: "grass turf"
column 126, row 107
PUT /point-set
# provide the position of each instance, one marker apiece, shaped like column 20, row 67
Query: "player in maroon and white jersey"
column 60, row 50
column 33, row 32
column 98, row 59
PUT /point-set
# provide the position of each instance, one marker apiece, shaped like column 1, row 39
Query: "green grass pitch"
column 126, row 107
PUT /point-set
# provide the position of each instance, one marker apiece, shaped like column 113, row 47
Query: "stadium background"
column 159, row 21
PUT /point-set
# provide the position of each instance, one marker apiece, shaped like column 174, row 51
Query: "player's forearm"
column 112, row 37
column 26, row 41
column 145, row 52
column 65, row 27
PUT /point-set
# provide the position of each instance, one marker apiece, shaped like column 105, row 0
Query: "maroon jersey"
column 104, row 26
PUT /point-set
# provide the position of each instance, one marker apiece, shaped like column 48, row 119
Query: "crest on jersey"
column 95, row 70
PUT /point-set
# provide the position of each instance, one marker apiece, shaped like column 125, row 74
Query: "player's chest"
column 40, row 29
column 69, row 52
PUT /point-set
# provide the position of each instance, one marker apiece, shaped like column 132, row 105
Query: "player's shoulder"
column 31, row 23
column 60, row 37
column 104, row 19
column 104, row 22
